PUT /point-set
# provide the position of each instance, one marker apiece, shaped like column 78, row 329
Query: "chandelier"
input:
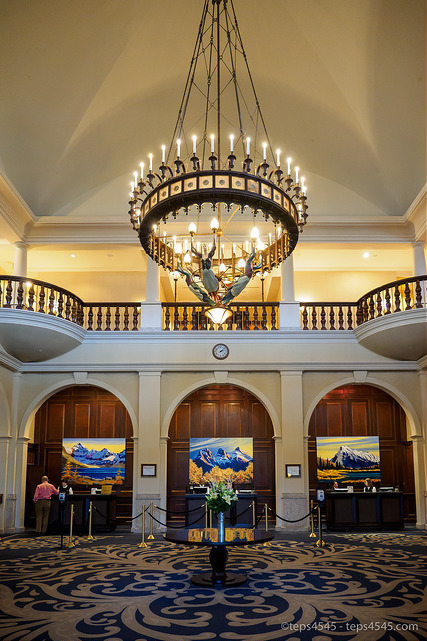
column 218, row 209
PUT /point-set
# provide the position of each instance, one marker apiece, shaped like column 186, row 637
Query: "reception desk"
column 103, row 513
column 364, row 511
column 240, row 513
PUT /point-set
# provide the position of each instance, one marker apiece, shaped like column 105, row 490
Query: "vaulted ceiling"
column 89, row 88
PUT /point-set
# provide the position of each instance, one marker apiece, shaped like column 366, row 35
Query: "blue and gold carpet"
column 368, row 587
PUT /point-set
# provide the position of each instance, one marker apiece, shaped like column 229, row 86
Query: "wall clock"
column 220, row 351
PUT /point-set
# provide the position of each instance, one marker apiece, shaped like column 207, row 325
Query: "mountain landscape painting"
column 94, row 461
column 348, row 459
column 221, row 459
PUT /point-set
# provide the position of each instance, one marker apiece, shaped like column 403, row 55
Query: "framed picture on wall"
column 293, row 471
column 149, row 470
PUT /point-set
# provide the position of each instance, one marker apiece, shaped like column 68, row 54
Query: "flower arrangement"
column 220, row 496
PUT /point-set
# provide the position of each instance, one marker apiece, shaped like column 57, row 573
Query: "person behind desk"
column 368, row 486
column 64, row 487
column 334, row 486
column 42, row 500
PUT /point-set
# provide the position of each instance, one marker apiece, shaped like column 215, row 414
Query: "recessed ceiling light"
column 366, row 255
column 73, row 255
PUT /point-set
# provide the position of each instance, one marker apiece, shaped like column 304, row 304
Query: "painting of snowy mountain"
column 93, row 461
column 348, row 459
column 221, row 459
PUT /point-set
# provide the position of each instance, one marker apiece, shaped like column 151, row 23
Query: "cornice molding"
column 16, row 217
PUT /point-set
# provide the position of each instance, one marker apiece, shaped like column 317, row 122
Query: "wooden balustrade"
column 397, row 296
column 247, row 316
column 38, row 296
column 328, row 316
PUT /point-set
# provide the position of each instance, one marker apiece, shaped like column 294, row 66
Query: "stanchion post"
column 210, row 518
column 320, row 543
column 143, row 543
column 312, row 533
column 267, row 543
column 70, row 543
column 206, row 515
column 253, row 514
column 89, row 536
column 151, row 535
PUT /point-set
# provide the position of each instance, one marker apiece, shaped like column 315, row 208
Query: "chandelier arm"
column 250, row 78
column 189, row 81
column 234, row 74
column 208, row 90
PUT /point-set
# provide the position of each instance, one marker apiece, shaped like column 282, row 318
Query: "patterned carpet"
column 367, row 587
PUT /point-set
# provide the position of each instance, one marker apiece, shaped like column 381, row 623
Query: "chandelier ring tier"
column 258, row 209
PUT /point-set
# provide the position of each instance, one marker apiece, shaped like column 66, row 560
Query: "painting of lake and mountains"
column 348, row 459
column 94, row 461
column 221, row 459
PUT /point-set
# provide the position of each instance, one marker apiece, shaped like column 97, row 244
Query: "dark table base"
column 218, row 578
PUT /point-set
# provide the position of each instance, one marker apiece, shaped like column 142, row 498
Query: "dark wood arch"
column 220, row 411
column 365, row 410
column 81, row 411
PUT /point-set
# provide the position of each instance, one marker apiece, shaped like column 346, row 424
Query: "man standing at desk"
column 42, row 500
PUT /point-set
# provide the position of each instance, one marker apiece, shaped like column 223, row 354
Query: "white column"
column 20, row 260
column 289, row 308
column 151, row 308
column 148, row 451
column 419, row 454
column 5, row 525
column 20, row 481
column 419, row 258
column 295, row 494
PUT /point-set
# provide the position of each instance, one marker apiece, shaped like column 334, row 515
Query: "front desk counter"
column 103, row 513
column 240, row 513
column 364, row 511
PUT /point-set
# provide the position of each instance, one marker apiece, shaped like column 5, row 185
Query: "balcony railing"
column 397, row 296
column 42, row 297
column 191, row 316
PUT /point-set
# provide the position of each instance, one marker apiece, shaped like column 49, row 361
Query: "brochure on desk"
column 221, row 459
column 348, row 459
column 94, row 461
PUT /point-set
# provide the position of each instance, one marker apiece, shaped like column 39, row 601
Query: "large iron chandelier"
column 205, row 213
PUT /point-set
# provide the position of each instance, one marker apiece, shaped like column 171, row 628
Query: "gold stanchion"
column 151, row 535
column 253, row 514
column 89, row 536
column 206, row 515
column 312, row 533
column 70, row 543
column 143, row 543
column 210, row 518
column 320, row 543
column 267, row 543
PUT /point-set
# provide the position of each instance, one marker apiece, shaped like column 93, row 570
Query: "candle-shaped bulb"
column 141, row 164
column 289, row 160
column 163, row 153
column 302, row 183
column 214, row 224
column 178, row 148
column 136, row 177
column 278, row 157
column 296, row 174
column 241, row 263
column 254, row 232
column 264, row 150
column 231, row 143
column 132, row 185
column 212, row 143
column 151, row 161
column 192, row 228
column 194, row 144
column 248, row 146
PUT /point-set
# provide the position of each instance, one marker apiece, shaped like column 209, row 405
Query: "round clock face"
column 220, row 351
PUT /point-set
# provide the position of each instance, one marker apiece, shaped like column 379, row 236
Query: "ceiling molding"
column 15, row 215
column 417, row 215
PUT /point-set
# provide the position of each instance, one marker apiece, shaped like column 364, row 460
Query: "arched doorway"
column 80, row 411
column 365, row 410
column 220, row 411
